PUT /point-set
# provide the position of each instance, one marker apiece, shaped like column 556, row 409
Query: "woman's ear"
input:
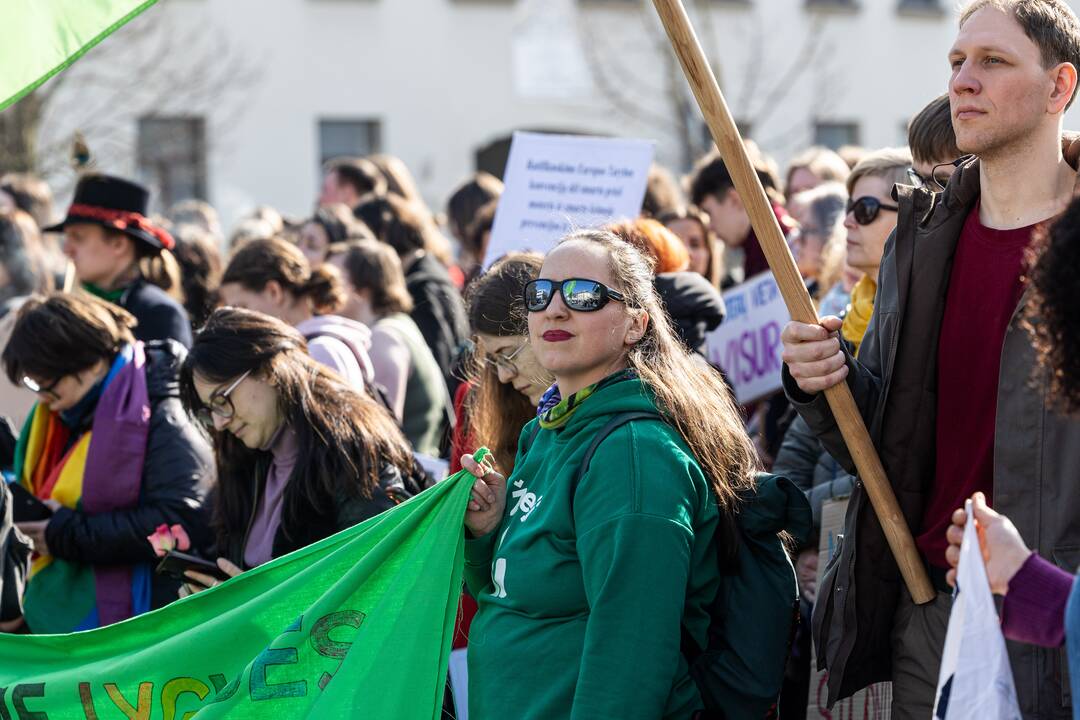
column 639, row 324
column 273, row 292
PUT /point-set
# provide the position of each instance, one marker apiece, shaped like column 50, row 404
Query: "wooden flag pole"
column 767, row 229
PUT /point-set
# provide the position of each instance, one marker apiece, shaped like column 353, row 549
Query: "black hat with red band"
column 116, row 204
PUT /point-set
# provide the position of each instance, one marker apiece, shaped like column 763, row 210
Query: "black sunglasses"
column 577, row 293
column 866, row 209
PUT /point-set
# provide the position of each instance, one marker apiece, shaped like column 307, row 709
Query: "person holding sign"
column 587, row 578
column 943, row 378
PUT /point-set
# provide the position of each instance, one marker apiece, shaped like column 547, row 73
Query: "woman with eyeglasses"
column 587, row 575
column 506, row 381
column 111, row 453
column 871, row 218
column 404, row 366
column 300, row 453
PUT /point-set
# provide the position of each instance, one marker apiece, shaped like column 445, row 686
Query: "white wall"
column 439, row 76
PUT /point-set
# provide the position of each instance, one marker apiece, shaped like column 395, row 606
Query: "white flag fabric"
column 976, row 680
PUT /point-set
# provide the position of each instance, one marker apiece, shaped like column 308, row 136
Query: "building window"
column 348, row 137
column 835, row 135
column 832, row 4
column 171, row 156
column 920, row 7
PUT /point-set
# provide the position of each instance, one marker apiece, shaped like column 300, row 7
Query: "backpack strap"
column 611, row 426
column 530, row 440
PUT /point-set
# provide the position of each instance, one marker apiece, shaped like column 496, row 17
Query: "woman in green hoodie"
column 585, row 586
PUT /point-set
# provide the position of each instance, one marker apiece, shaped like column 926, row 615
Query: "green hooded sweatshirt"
column 582, row 593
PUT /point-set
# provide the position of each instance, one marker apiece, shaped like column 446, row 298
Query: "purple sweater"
column 1034, row 608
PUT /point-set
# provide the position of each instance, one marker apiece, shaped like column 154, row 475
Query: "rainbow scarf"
column 99, row 472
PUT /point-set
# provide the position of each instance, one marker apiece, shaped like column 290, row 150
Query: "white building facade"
column 443, row 83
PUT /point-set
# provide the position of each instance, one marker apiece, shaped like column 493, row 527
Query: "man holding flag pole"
column 944, row 377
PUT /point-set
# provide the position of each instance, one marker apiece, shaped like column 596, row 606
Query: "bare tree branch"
column 803, row 59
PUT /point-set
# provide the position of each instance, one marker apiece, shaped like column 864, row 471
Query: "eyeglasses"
column 219, row 405
column 921, row 181
column 577, row 293
column 498, row 361
column 866, row 209
column 35, row 387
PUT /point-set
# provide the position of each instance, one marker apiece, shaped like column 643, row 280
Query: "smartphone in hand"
column 176, row 563
column 27, row 507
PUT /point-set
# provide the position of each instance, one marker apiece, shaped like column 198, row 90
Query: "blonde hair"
column 824, row 163
column 891, row 164
column 693, row 398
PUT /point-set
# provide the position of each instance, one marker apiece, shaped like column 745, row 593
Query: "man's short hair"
column 1050, row 24
column 360, row 173
column 890, row 164
column 930, row 133
column 711, row 177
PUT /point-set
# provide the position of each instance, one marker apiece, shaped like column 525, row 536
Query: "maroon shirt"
column 984, row 289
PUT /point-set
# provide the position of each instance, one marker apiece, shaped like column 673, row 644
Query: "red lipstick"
column 557, row 335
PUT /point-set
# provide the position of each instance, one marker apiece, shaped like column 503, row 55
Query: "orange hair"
column 651, row 238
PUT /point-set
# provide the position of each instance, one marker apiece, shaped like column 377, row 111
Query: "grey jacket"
column 1036, row 452
column 803, row 461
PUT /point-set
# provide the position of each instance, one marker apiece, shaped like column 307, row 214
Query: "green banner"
column 357, row 625
column 39, row 38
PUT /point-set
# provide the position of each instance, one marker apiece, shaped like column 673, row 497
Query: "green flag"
column 39, row 38
column 356, row 625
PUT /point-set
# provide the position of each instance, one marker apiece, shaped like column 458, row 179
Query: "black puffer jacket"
column 695, row 306
column 177, row 473
column 317, row 523
column 439, row 312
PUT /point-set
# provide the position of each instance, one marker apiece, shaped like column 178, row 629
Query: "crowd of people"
column 305, row 374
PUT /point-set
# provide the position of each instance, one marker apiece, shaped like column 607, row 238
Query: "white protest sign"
column 747, row 344
column 558, row 183
column 975, row 681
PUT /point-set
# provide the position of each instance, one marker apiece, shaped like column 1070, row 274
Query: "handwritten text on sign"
column 747, row 344
column 559, row 183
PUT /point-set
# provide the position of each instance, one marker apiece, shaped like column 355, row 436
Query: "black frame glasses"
column 220, row 404
column 578, row 294
column 867, row 208
column 498, row 361
column 33, row 386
